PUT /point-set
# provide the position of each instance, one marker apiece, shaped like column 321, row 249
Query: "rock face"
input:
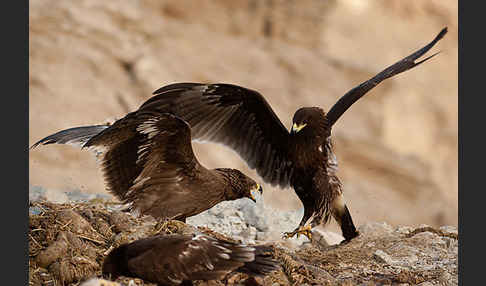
column 68, row 243
column 93, row 61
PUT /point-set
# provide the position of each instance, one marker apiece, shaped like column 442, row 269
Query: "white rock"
column 374, row 229
column 326, row 238
column 383, row 257
column 449, row 229
column 99, row 282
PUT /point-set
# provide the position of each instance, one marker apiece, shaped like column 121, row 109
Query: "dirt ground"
column 68, row 242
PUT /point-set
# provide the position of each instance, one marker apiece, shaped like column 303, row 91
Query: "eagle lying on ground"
column 175, row 259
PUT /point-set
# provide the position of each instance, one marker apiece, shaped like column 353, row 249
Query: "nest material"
column 68, row 242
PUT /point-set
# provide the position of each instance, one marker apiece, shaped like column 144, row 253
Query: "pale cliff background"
column 93, row 61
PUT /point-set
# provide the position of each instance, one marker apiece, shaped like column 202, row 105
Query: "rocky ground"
column 68, row 242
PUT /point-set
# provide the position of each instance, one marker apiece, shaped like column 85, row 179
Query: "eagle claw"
column 304, row 230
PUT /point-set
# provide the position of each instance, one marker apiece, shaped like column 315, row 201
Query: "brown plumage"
column 242, row 119
column 175, row 259
column 147, row 161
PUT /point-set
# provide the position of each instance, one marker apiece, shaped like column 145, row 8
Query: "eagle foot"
column 304, row 230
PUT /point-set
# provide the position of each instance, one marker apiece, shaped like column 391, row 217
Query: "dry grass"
column 68, row 242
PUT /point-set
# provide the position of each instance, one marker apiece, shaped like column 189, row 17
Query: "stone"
column 34, row 210
column 99, row 282
column 449, row 230
column 375, row 229
column 383, row 257
column 326, row 238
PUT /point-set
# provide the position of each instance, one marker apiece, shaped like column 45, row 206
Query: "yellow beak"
column 296, row 128
column 253, row 191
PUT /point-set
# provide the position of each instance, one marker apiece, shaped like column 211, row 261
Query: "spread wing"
column 356, row 93
column 176, row 258
column 237, row 117
column 166, row 159
column 75, row 136
column 117, row 147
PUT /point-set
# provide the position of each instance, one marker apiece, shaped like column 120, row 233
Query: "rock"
column 449, row 230
column 37, row 193
column 404, row 255
column 404, row 229
column 248, row 233
column 375, row 229
column 78, row 195
column 34, row 210
column 326, row 238
column 99, row 282
column 227, row 218
column 254, row 214
column 383, row 257
column 250, row 222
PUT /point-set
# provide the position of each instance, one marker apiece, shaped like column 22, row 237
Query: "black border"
column 466, row 175
column 14, row 122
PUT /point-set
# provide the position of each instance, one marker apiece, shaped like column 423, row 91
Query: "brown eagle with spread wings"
column 242, row 119
column 147, row 161
column 175, row 259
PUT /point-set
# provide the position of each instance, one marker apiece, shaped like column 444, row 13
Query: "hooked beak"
column 296, row 128
column 253, row 191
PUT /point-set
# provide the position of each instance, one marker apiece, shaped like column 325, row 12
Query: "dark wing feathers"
column 141, row 154
column 218, row 258
column 73, row 136
column 263, row 263
column 166, row 157
column 356, row 93
column 174, row 258
column 119, row 167
column 121, row 163
column 237, row 117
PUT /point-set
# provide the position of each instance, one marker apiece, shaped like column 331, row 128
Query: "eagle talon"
column 303, row 230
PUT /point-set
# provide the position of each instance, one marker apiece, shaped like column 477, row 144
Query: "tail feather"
column 76, row 136
column 347, row 225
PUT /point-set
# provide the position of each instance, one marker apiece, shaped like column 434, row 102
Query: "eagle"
column 173, row 259
column 303, row 158
column 148, row 162
column 242, row 119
